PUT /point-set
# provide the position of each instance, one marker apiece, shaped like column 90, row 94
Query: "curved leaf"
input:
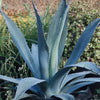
column 64, row 96
column 59, row 77
column 26, row 84
column 10, row 79
column 74, row 85
column 36, row 89
column 21, row 44
column 72, row 88
column 42, row 48
column 53, row 62
column 74, row 76
column 94, row 79
column 88, row 65
column 25, row 95
column 83, row 41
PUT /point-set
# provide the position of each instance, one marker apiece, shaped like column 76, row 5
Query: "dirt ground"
column 13, row 7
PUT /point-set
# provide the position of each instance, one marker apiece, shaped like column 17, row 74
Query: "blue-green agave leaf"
column 35, row 56
column 54, row 84
column 63, row 40
column 85, row 81
column 83, row 91
column 65, row 96
column 83, row 41
column 25, row 95
column 59, row 77
column 74, row 87
column 36, row 89
column 26, row 84
column 21, row 44
column 46, row 13
column 10, row 79
column 88, row 65
column 42, row 48
column 53, row 63
column 74, row 76
column 94, row 79
column 53, row 27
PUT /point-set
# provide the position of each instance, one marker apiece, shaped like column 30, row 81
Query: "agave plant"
column 43, row 59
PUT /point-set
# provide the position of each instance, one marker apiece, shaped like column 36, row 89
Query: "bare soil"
column 17, row 6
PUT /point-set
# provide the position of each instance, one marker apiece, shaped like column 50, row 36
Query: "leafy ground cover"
column 12, row 57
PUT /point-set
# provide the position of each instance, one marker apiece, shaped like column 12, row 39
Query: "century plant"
column 44, row 58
